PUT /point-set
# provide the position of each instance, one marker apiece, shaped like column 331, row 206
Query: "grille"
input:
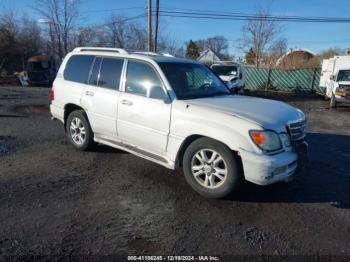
column 347, row 89
column 297, row 130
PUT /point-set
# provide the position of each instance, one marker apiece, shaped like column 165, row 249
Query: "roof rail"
column 151, row 53
column 100, row 49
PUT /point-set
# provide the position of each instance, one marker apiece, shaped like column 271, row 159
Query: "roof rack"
column 100, row 49
column 151, row 53
column 120, row 51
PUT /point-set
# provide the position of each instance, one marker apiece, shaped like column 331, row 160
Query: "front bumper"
column 342, row 97
column 269, row 169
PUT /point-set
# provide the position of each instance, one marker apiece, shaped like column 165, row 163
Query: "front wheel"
column 211, row 168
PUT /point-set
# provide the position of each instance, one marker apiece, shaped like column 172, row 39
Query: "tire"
column 333, row 102
column 84, row 137
column 208, row 179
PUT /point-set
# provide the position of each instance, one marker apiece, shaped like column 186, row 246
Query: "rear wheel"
column 79, row 131
column 211, row 168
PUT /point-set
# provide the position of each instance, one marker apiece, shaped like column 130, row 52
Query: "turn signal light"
column 258, row 137
column 52, row 94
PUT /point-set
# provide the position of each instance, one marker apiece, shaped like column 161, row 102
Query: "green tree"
column 250, row 57
column 192, row 50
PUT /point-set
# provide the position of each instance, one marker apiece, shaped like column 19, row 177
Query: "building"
column 208, row 57
column 296, row 58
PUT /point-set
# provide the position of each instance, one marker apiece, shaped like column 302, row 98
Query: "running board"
column 136, row 151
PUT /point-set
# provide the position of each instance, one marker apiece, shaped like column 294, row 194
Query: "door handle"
column 89, row 93
column 126, row 102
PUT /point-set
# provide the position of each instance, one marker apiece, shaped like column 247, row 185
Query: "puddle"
column 33, row 109
column 5, row 147
column 143, row 245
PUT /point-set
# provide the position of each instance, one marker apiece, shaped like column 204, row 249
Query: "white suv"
column 177, row 112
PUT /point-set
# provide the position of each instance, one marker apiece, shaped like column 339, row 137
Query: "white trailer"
column 335, row 79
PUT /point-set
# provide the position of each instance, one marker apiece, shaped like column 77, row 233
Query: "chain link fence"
column 298, row 81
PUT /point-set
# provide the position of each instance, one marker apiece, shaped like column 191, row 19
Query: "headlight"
column 268, row 141
column 285, row 139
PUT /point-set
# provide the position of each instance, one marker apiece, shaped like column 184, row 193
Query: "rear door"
column 144, row 108
column 101, row 95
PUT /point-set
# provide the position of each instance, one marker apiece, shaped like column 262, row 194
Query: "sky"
column 313, row 36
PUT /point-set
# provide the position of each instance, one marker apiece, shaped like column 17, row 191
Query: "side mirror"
column 240, row 75
column 332, row 77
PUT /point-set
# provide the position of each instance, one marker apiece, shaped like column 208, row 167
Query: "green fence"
column 299, row 81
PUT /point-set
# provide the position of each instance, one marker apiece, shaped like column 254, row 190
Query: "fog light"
column 280, row 170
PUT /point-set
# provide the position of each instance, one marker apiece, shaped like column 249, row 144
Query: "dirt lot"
column 57, row 201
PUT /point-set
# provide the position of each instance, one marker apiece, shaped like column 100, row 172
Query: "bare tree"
column 9, row 52
column 137, row 37
column 258, row 34
column 218, row 44
column 276, row 50
column 30, row 38
column 118, row 29
column 61, row 16
column 92, row 36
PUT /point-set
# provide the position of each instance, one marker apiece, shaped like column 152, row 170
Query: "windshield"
column 190, row 80
column 224, row 70
column 38, row 66
column 343, row 75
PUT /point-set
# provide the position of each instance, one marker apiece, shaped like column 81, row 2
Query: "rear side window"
column 110, row 72
column 78, row 68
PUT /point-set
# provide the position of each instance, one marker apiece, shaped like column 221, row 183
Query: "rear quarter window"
column 78, row 68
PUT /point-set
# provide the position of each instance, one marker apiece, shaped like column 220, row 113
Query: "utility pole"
column 150, row 25
column 156, row 27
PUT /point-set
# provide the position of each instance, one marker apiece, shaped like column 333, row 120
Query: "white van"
column 232, row 74
column 335, row 79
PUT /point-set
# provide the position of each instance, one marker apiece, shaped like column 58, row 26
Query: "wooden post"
column 150, row 49
column 268, row 80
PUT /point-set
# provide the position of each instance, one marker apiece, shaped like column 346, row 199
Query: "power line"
column 240, row 16
column 123, row 20
column 114, row 9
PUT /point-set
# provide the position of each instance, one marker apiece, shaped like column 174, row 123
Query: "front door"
column 144, row 109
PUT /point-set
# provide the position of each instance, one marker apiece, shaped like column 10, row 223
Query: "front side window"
column 78, row 68
column 190, row 80
column 142, row 79
column 110, row 72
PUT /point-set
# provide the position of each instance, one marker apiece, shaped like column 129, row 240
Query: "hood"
column 228, row 78
column 269, row 114
column 344, row 83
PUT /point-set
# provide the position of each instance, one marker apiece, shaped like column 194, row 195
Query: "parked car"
column 335, row 79
column 232, row 74
column 177, row 113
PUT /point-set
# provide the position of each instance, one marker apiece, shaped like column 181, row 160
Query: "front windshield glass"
column 190, row 80
column 344, row 75
column 225, row 70
column 39, row 66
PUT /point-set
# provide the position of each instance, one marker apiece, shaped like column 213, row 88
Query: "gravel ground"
column 56, row 201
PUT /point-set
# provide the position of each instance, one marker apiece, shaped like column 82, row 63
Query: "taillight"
column 52, row 94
